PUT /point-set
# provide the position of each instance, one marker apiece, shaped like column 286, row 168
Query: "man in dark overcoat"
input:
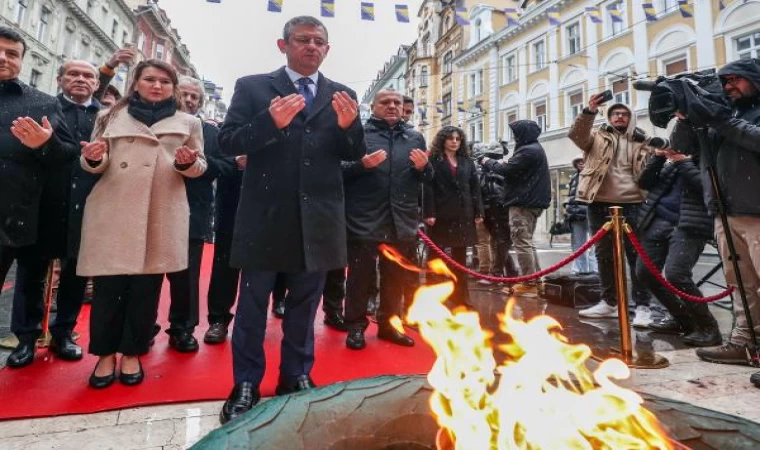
column 295, row 126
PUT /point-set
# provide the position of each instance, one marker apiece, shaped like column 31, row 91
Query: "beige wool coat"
column 137, row 219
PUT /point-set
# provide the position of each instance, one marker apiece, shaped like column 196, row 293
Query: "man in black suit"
column 185, row 284
column 295, row 126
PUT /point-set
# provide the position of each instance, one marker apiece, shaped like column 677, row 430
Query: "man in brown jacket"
column 615, row 155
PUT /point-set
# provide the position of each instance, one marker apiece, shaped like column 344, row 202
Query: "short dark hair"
column 408, row 99
column 13, row 36
column 301, row 20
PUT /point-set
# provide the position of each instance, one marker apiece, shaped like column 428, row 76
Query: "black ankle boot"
column 704, row 337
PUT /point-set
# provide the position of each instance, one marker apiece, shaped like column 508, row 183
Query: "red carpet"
column 51, row 387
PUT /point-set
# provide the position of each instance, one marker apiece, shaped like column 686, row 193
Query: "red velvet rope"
column 449, row 260
column 658, row 275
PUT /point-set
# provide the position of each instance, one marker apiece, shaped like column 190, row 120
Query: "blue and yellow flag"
column 462, row 15
column 213, row 1
column 513, row 16
column 615, row 14
column 439, row 107
column 687, row 9
column 721, row 4
column 460, row 106
column 274, row 6
column 368, row 11
column 553, row 14
column 649, row 12
column 402, row 13
column 327, row 8
column 594, row 14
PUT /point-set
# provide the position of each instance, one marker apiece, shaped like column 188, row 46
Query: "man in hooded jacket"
column 527, row 190
column 615, row 156
column 734, row 153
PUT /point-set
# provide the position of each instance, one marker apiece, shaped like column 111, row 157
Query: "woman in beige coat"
column 136, row 220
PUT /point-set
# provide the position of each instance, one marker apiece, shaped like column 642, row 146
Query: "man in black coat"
column 295, row 126
column 527, row 187
column 185, row 284
column 33, row 138
column 382, row 207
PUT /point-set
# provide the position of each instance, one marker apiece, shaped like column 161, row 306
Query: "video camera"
column 672, row 94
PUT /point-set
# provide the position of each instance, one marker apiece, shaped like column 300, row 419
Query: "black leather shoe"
column 102, row 382
column 288, row 386
column 133, row 379
column 335, row 321
column 668, row 326
column 183, row 342
column 241, row 399
column 216, row 333
column 706, row 337
column 66, row 349
column 22, row 355
column 355, row 339
column 278, row 309
column 391, row 334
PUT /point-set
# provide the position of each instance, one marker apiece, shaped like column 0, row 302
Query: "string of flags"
column 513, row 15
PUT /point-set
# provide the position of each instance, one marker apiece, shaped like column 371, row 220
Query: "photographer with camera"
column 615, row 156
column 496, row 212
column 674, row 228
column 733, row 153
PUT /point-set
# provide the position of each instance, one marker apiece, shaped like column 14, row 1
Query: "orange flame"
column 542, row 397
column 396, row 323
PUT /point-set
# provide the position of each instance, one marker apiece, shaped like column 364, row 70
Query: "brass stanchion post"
column 45, row 339
column 637, row 356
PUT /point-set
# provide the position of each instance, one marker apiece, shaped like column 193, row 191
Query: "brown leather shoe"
column 728, row 354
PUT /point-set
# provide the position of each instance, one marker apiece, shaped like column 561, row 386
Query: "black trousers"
column 185, row 292
column 223, row 287
column 124, row 310
column 31, row 269
column 675, row 252
column 461, row 294
column 362, row 263
column 297, row 347
column 598, row 214
column 497, row 223
column 335, row 291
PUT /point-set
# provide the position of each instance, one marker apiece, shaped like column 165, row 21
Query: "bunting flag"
column 553, row 14
column 439, row 107
column 721, row 4
column 402, row 13
column 594, row 14
column 368, row 11
column 327, row 8
column 462, row 16
column 615, row 14
column 649, row 12
column 460, row 106
column 274, row 6
column 687, row 9
column 213, row 1
column 513, row 17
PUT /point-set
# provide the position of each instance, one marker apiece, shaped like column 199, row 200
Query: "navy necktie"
column 305, row 90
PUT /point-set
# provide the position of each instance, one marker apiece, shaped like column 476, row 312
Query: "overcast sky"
column 234, row 38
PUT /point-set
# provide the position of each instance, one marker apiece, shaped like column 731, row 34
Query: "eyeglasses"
column 305, row 40
column 620, row 114
column 733, row 79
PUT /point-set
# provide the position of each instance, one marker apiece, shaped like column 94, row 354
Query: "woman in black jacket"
column 452, row 202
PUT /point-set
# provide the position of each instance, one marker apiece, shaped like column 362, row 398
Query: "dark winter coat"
column 382, row 203
column 575, row 211
column 200, row 191
column 23, row 170
column 658, row 178
column 66, row 188
column 227, row 196
column 527, row 183
column 454, row 202
column 291, row 216
column 736, row 150
column 491, row 187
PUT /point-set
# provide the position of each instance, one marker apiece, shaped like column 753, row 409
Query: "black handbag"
column 560, row 227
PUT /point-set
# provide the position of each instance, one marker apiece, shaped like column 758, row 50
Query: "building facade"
column 61, row 30
column 489, row 73
column 391, row 76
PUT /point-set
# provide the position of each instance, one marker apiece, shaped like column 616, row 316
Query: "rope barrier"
column 449, row 260
column 657, row 273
